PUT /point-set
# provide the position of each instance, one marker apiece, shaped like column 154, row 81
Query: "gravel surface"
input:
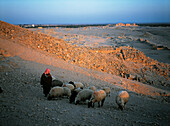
column 23, row 103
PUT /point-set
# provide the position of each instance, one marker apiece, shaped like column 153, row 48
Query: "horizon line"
column 90, row 23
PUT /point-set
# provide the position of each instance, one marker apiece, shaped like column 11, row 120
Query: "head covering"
column 47, row 71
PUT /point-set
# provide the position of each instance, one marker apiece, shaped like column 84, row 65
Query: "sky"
column 84, row 11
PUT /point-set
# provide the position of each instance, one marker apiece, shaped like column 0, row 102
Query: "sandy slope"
column 123, row 61
column 47, row 59
column 23, row 103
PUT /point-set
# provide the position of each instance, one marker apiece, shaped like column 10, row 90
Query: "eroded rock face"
column 123, row 61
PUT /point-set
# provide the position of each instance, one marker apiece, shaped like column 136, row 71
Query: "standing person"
column 46, row 81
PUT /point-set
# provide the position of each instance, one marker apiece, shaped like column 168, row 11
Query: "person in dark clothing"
column 46, row 81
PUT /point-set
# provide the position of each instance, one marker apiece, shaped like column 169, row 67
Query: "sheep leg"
column 93, row 105
column 49, row 97
column 99, row 104
column 77, row 102
column 102, row 102
column 89, row 104
column 120, row 107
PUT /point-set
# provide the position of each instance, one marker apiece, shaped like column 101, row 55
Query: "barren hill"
column 25, row 54
column 124, row 61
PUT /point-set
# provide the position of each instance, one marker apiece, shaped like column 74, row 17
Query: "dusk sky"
column 84, row 11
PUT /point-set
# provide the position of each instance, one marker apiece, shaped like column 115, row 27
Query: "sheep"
column 74, row 94
column 70, row 86
column 107, row 90
column 71, row 82
column 97, row 96
column 77, row 84
column 67, row 91
column 92, row 88
column 57, row 83
column 83, row 96
column 57, row 91
column 121, row 99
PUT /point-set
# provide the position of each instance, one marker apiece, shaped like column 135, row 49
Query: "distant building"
column 127, row 25
column 120, row 24
column 134, row 24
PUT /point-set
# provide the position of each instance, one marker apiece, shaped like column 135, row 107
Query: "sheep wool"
column 66, row 92
column 83, row 96
column 92, row 88
column 121, row 99
column 70, row 86
column 107, row 90
column 77, row 84
column 57, row 83
column 98, row 96
column 55, row 92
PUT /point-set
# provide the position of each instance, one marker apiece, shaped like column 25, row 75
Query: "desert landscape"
column 123, row 57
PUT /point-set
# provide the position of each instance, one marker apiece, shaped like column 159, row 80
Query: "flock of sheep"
column 77, row 93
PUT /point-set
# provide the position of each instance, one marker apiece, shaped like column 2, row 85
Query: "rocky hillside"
column 124, row 61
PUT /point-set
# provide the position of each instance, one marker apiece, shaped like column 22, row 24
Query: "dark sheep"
column 74, row 94
column 57, row 83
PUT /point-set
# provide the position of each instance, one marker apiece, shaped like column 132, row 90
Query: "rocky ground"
column 23, row 103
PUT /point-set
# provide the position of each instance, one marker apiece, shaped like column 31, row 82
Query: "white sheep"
column 107, row 90
column 97, row 96
column 70, row 86
column 92, row 88
column 67, row 91
column 83, row 96
column 57, row 91
column 77, row 84
column 121, row 99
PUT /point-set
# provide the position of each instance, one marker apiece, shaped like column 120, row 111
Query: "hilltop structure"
column 127, row 25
